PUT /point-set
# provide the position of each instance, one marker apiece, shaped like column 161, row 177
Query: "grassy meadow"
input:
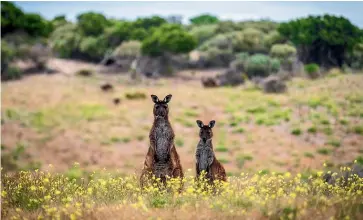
column 88, row 152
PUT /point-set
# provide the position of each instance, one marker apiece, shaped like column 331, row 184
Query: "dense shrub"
column 91, row 23
column 317, row 36
column 168, row 38
column 204, row 19
column 219, row 58
column 282, row 51
column 128, row 49
column 227, row 26
column 240, row 63
column 252, row 41
column 261, row 65
column 273, row 37
column 94, row 48
column 312, row 70
column 65, row 40
column 8, row 53
column 117, row 33
column 203, row 32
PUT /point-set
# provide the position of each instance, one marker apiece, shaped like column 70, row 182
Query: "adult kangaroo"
column 162, row 158
column 205, row 158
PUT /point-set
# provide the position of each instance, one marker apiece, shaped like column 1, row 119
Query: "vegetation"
column 48, row 195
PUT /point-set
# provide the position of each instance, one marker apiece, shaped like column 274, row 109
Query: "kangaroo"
column 162, row 158
column 206, row 159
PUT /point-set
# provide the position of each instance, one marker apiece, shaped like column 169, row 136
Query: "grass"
column 323, row 151
column 242, row 158
column 312, row 130
column 223, row 160
column 309, row 155
column 296, row 131
column 239, row 130
column 358, row 129
column 221, row 148
column 334, row 143
column 179, row 142
column 51, row 195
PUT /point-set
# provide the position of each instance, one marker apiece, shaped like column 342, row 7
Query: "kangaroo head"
column 161, row 108
column 205, row 132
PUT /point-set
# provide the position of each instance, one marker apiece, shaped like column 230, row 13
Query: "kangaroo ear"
column 212, row 123
column 167, row 98
column 200, row 123
column 154, row 98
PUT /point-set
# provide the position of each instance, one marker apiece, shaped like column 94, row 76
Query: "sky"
column 242, row 10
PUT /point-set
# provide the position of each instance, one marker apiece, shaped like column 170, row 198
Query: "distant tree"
column 92, row 24
column 149, row 22
column 169, row 38
column 204, row 19
column 117, row 33
column 35, row 25
column 59, row 21
column 138, row 34
column 324, row 40
column 11, row 17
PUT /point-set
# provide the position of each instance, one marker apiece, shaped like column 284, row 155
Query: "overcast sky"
column 277, row 11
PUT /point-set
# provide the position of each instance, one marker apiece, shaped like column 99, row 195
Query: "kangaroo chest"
column 163, row 136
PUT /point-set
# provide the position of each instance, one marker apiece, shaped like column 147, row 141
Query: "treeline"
column 258, row 47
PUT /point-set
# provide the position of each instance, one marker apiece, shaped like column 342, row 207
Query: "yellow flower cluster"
column 43, row 195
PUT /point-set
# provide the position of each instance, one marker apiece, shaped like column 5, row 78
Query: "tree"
column 204, row 19
column 324, row 40
column 92, row 24
column 149, row 22
column 117, row 33
column 59, row 21
column 169, row 38
column 11, row 18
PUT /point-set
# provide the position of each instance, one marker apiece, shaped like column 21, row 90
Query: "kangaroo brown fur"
column 162, row 158
column 205, row 156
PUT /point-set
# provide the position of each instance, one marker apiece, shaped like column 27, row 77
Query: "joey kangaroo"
column 162, row 158
column 206, row 159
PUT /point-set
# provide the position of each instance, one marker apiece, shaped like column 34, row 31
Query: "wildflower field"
column 47, row 195
column 273, row 148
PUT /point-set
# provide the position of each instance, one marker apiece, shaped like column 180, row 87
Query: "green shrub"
column 261, row 65
column 324, row 151
column 272, row 38
column 309, row 155
column 312, row 130
column 296, row 131
column 221, row 149
column 358, row 129
column 12, row 73
column 313, row 70
column 128, row 49
column 203, row 32
column 65, row 40
column 282, row 51
column 92, row 47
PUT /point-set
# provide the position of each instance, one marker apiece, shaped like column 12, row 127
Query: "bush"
column 92, row 24
column 219, row 58
column 168, row 38
column 312, row 70
column 239, row 64
column 8, row 53
column 84, row 72
column 11, row 73
column 273, row 38
column 282, row 51
column 203, row 33
column 261, row 65
column 128, row 49
column 252, row 41
column 94, row 48
column 65, row 40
